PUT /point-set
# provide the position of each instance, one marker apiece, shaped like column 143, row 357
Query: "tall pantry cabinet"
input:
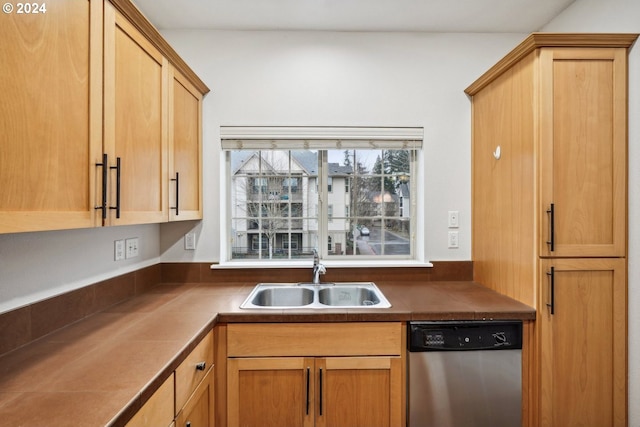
column 90, row 115
column 549, row 206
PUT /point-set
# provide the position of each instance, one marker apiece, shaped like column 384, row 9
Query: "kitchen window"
column 348, row 200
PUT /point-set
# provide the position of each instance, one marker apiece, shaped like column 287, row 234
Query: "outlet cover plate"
column 118, row 247
column 132, row 247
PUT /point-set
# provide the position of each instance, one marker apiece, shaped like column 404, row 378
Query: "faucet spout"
column 318, row 268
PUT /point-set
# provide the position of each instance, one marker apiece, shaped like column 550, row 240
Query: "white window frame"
column 323, row 138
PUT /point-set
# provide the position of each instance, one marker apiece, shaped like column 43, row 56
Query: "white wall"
column 620, row 16
column 344, row 79
column 288, row 78
column 35, row 266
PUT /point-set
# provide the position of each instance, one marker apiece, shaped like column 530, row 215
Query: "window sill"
column 327, row 263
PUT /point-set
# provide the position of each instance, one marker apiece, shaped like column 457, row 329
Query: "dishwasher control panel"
column 460, row 336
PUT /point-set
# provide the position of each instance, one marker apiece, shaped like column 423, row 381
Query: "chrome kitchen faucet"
column 318, row 268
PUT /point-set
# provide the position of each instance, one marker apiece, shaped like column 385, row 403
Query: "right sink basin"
column 349, row 296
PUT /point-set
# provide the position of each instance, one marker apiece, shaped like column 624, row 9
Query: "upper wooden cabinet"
column 185, row 148
column 50, row 133
column 88, row 79
column 135, row 121
column 549, row 125
column 583, row 151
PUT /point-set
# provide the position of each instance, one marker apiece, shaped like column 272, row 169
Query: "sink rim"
column 316, row 304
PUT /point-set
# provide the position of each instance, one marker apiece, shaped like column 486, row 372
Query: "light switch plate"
column 190, row 241
column 453, row 219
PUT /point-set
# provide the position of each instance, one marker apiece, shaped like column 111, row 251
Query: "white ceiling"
column 513, row 16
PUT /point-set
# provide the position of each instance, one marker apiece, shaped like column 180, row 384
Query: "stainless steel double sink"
column 307, row 295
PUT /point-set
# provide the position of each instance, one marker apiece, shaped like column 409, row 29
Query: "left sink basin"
column 279, row 296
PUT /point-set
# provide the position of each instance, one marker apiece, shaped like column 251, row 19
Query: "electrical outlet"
column 118, row 248
column 132, row 247
column 453, row 239
column 453, row 219
column 190, row 241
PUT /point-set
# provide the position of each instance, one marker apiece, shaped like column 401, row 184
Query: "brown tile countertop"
column 100, row 370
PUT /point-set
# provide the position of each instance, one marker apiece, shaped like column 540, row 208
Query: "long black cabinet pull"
column 308, row 380
column 118, row 168
column 103, row 203
column 177, row 180
column 552, row 227
column 320, row 391
column 552, row 299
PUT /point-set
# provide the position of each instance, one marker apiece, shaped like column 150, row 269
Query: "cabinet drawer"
column 191, row 371
column 158, row 410
column 309, row 339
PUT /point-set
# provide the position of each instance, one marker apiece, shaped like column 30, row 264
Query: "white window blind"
column 304, row 137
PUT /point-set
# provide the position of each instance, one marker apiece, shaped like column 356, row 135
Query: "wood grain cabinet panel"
column 583, row 352
column 583, row 152
column 50, row 130
column 135, row 122
column 185, row 149
column 198, row 411
column 549, row 200
column 158, row 410
column 193, row 369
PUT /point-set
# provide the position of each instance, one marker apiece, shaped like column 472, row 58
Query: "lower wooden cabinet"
column 198, row 411
column 583, row 343
column 186, row 398
column 334, row 390
column 158, row 410
column 195, row 388
column 303, row 391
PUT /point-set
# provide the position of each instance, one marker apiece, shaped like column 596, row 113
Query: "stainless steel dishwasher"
column 465, row 374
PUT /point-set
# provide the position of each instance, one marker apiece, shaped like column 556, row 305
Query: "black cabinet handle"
column 552, row 303
column 177, row 180
column 201, row 366
column 103, row 203
column 308, row 380
column 320, row 391
column 552, row 227
column 118, row 169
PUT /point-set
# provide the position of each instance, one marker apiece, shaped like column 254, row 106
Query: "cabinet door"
column 158, row 410
column 583, row 171
column 583, row 343
column 51, row 134
column 198, row 411
column 270, row 392
column 135, row 110
column 185, row 149
column 359, row 391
